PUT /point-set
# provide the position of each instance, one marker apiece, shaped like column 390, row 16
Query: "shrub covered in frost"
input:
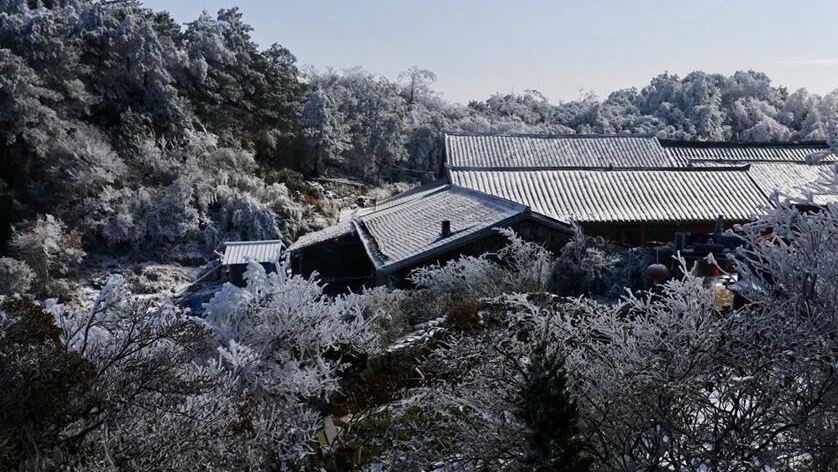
column 48, row 247
column 15, row 276
column 519, row 267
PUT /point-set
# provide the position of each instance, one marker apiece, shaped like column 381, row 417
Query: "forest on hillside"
column 132, row 147
column 137, row 132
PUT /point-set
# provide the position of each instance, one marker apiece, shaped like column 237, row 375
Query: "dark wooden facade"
column 343, row 264
column 642, row 233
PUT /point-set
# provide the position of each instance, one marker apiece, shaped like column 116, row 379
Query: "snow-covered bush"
column 195, row 195
column 47, row 246
column 289, row 324
column 664, row 380
column 288, row 345
column 134, row 384
column 389, row 308
column 494, row 398
column 15, row 276
column 518, row 267
column 585, row 266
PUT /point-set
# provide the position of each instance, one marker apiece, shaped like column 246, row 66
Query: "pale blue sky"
column 480, row 47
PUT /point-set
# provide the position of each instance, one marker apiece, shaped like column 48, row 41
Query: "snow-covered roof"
column 414, row 193
column 480, row 150
column 685, row 153
column 788, row 177
column 494, row 179
column 241, row 252
column 647, row 195
column 401, row 234
column 325, row 234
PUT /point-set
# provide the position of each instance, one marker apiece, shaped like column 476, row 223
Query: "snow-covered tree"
column 134, row 384
column 495, row 399
column 665, row 380
column 325, row 130
column 375, row 117
column 238, row 91
column 15, row 276
column 47, row 246
column 416, row 83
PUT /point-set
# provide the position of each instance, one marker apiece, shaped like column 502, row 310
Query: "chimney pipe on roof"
column 446, row 228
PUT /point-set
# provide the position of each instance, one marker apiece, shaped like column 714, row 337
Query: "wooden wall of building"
column 640, row 234
column 341, row 263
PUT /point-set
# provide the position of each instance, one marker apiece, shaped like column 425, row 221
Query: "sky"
column 477, row 48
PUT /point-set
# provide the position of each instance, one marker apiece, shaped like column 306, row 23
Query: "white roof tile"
column 473, row 150
column 788, row 178
column 325, row 234
column 398, row 234
column 649, row 195
column 241, row 252
column 684, row 153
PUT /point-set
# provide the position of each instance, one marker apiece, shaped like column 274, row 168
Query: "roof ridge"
column 754, row 160
column 547, row 135
column 740, row 167
column 680, row 143
column 512, row 205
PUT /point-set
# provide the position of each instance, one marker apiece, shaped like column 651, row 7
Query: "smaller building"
column 237, row 255
column 433, row 223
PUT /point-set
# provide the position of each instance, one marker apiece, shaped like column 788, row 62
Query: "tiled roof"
column 474, row 150
column 683, row 152
column 400, row 234
column 241, row 252
column 787, row 178
column 325, row 234
column 648, row 195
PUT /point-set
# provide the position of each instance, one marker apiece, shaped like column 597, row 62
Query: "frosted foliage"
column 234, row 391
column 519, row 267
column 47, row 246
column 757, row 118
column 156, row 405
column 325, row 129
column 15, row 276
column 664, row 380
column 22, row 111
column 84, row 161
column 196, row 205
column 288, row 344
column 488, row 380
column 290, row 324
